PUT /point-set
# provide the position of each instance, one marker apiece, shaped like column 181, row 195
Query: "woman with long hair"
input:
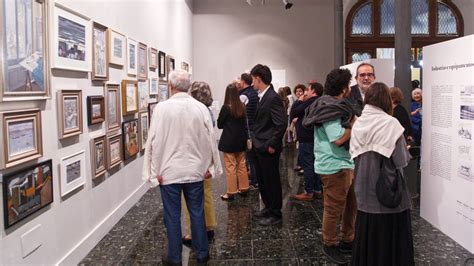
column 232, row 120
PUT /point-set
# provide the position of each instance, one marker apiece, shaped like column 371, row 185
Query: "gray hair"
column 201, row 91
column 180, row 80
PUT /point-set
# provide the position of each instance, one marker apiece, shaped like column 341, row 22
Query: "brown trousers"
column 340, row 205
column 236, row 171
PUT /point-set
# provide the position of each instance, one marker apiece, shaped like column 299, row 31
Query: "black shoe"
column 166, row 262
column 227, row 197
column 204, row 260
column 334, row 255
column 345, row 247
column 244, row 193
column 269, row 221
column 210, row 235
column 261, row 214
column 253, row 186
column 188, row 242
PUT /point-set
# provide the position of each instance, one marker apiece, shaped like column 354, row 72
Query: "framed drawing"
column 73, row 171
column 98, row 156
column 129, row 97
column 131, row 57
column 22, row 138
column 95, row 110
column 114, row 147
column 153, row 58
column 151, row 108
column 71, row 47
column 70, row 113
column 153, row 86
column 143, row 95
column 100, row 65
column 142, row 62
column 117, row 46
column 130, row 138
column 112, row 103
column 162, row 65
column 26, row 192
column 24, row 70
column 144, row 126
column 163, row 91
column 185, row 66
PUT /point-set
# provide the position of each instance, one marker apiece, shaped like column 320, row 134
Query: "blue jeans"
column 312, row 181
column 250, row 157
column 194, row 196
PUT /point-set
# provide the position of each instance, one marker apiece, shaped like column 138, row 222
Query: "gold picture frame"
column 117, row 48
column 129, row 97
column 70, row 113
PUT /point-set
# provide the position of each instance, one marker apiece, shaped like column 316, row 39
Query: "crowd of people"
column 353, row 144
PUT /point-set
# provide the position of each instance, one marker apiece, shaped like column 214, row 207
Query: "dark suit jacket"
column 356, row 100
column 270, row 122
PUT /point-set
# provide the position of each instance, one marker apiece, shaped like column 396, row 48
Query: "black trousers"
column 269, row 184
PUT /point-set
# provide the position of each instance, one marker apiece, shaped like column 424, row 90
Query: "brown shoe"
column 303, row 196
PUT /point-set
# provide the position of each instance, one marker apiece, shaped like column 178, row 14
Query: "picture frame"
column 185, row 66
column 27, row 191
column 129, row 97
column 72, row 172
column 24, row 73
column 100, row 60
column 142, row 71
column 113, row 116
column 151, row 108
column 70, row 113
column 22, row 137
column 144, row 127
column 163, row 91
column 117, row 48
column 143, row 95
column 95, row 109
column 71, row 49
column 170, row 64
column 153, row 58
column 130, row 139
column 114, row 150
column 162, row 66
column 153, row 82
column 132, row 57
column 98, row 156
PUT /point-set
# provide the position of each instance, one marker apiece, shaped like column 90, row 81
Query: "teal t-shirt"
column 328, row 157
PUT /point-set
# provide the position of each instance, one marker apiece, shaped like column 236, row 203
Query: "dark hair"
column 246, row 78
column 201, row 91
column 317, row 88
column 378, row 95
column 336, row 81
column 232, row 100
column 397, row 95
column 282, row 93
column 287, row 90
column 364, row 64
column 299, row 86
column 415, row 84
column 263, row 72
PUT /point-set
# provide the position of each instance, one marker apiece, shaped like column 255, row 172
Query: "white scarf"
column 376, row 131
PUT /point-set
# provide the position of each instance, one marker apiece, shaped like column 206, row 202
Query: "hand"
column 271, row 150
column 294, row 120
column 302, row 98
column 207, row 175
column 159, row 178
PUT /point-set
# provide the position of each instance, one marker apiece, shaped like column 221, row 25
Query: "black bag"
column 389, row 193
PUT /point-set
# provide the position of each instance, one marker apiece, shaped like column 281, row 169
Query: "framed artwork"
column 112, row 103
column 73, row 173
column 153, row 86
column 26, row 192
column 98, row 156
column 131, row 57
column 129, row 97
column 71, row 47
column 151, row 108
column 144, row 126
column 22, row 138
column 143, row 95
column 117, row 46
column 114, row 147
column 162, row 65
column 163, row 91
column 170, row 64
column 185, row 66
column 100, row 66
column 24, row 69
column 142, row 62
column 95, row 110
column 70, row 113
column 153, row 58
column 130, row 138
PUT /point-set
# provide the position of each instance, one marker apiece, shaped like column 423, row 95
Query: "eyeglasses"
column 368, row 75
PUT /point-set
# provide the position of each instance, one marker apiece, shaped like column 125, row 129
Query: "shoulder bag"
column 389, row 193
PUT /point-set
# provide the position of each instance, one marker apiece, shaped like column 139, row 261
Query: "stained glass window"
column 446, row 20
column 357, row 57
column 362, row 21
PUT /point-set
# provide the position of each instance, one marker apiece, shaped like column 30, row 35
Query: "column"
column 338, row 34
column 403, row 49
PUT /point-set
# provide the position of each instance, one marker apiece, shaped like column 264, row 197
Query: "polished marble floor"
column 140, row 238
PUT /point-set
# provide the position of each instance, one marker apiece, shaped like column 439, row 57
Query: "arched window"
column 370, row 25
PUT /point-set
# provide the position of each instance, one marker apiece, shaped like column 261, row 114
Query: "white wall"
column 231, row 37
column 71, row 227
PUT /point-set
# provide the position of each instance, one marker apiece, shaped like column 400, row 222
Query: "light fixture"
column 288, row 5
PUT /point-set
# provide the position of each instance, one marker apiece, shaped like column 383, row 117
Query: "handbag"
column 249, row 138
column 389, row 193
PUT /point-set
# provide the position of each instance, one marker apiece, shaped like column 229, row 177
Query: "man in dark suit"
column 365, row 76
column 268, row 130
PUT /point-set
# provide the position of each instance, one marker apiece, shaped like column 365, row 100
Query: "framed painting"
column 117, row 46
column 143, row 95
column 129, row 97
column 24, row 70
column 22, row 138
column 163, row 91
column 112, row 103
column 131, row 57
column 98, row 156
column 95, row 110
column 170, row 64
column 153, row 86
column 153, row 58
column 162, row 65
column 73, row 172
column 151, row 108
column 26, row 192
column 144, row 126
column 70, row 113
column 71, row 47
column 114, row 148
column 142, row 62
column 185, row 66
column 100, row 65
column 130, row 138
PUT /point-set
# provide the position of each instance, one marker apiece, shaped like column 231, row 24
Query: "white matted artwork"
column 153, row 86
column 132, row 59
column 117, row 48
column 143, row 95
column 72, row 172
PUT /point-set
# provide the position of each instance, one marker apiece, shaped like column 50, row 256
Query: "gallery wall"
column 65, row 231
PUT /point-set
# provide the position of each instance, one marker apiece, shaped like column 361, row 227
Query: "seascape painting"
column 71, row 39
column 21, row 137
column 73, row 171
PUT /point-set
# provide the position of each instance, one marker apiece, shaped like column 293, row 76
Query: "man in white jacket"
column 180, row 153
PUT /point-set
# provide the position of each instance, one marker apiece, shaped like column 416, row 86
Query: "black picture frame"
column 91, row 101
column 130, row 139
column 151, row 107
column 36, row 189
column 161, row 65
